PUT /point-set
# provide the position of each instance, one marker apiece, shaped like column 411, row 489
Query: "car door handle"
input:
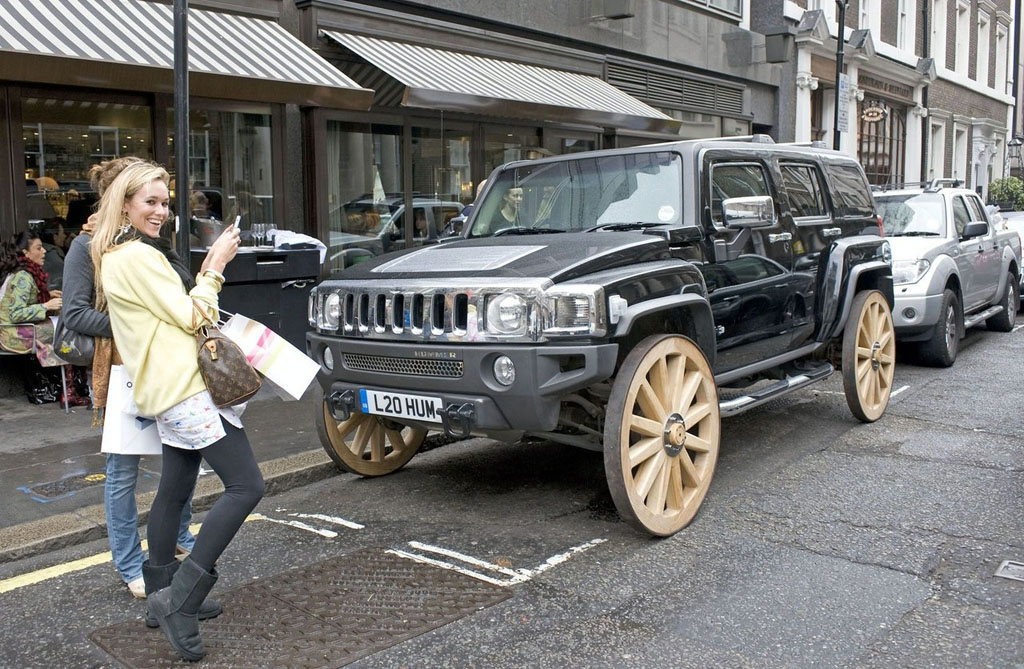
column 731, row 298
column 831, row 232
column 781, row 237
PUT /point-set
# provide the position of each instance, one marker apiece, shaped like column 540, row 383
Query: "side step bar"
column 977, row 318
column 738, row 405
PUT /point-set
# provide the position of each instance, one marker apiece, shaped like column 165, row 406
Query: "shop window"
column 365, row 198
column 63, row 138
column 441, row 163
column 231, row 171
column 504, row 144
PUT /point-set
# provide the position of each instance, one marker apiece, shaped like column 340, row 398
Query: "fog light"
column 909, row 313
column 504, row 370
column 328, row 360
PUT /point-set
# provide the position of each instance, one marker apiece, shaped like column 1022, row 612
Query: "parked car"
column 601, row 300
column 1014, row 220
column 952, row 268
column 366, row 228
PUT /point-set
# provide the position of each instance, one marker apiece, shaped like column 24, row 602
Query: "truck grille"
column 451, row 369
column 418, row 310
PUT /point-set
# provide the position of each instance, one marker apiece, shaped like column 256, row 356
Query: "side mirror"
column 974, row 229
column 749, row 212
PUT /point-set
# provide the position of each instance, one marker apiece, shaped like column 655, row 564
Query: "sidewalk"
column 51, row 470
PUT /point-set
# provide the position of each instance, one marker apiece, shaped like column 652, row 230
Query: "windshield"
column 910, row 215
column 576, row 195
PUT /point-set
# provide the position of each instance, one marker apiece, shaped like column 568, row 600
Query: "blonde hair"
column 110, row 216
column 103, row 174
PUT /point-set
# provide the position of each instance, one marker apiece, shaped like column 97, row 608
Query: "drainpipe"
column 1016, row 67
column 926, row 135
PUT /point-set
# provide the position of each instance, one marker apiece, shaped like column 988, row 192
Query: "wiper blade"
column 638, row 225
column 915, row 233
column 526, row 231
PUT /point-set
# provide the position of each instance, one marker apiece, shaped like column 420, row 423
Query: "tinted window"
column 852, row 190
column 961, row 215
column 975, row 205
column 729, row 180
column 803, row 187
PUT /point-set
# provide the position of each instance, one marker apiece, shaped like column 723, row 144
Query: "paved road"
column 822, row 543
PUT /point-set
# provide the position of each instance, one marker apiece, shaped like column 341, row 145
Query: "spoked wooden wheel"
column 869, row 356
column 661, row 434
column 367, row 445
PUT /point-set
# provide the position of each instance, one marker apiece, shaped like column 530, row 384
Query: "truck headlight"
column 575, row 310
column 908, row 271
column 507, row 314
column 330, row 314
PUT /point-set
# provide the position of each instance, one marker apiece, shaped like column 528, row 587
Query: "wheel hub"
column 875, row 362
column 675, row 435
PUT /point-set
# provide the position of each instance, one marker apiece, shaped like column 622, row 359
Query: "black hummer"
column 602, row 299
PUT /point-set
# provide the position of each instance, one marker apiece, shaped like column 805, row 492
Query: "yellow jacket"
column 151, row 316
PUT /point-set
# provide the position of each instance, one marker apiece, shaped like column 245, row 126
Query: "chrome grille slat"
column 450, row 369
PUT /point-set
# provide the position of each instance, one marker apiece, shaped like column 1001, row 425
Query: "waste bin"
column 271, row 286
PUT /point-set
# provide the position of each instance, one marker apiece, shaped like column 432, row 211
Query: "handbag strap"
column 195, row 326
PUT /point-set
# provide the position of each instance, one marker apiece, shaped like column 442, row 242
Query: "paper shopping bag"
column 124, row 431
column 271, row 355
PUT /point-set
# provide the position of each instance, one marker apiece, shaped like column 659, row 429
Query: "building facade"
column 379, row 108
column 926, row 90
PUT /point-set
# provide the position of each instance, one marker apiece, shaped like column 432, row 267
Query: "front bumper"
column 914, row 310
column 474, row 402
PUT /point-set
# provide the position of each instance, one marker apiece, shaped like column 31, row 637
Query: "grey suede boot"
column 158, row 578
column 176, row 608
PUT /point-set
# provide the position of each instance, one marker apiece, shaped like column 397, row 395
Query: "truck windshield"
column 922, row 215
column 576, row 195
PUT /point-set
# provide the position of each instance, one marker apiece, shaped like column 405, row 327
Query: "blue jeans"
column 123, row 516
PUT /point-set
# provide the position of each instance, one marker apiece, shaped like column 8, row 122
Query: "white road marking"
column 1017, row 328
column 330, row 519
column 516, row 576
column 898, row 391
column 330, row 534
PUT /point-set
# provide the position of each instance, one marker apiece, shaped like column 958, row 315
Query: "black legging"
column 233, row 461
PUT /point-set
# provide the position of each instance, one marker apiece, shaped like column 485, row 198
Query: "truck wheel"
column 1005, row 320
column 661, row 434
column 367, row 445
column 941, row 349
column 869, row 356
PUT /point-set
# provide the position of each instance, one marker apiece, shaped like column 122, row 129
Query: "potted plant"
column 1007, row 193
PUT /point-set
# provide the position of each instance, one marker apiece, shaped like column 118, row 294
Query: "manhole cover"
column 326, row 615
column 1011, row 569
column 47, row 492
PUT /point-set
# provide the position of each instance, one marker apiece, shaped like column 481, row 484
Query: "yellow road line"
column 41, row 575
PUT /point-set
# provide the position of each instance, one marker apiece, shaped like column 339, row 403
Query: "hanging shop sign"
column 873, row 111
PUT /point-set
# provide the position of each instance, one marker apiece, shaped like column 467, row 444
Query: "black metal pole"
column 181, row 178
column 840, row 42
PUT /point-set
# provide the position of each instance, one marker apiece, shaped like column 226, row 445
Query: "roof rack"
column 932, row 186
column 753, row 139
column 815, row 144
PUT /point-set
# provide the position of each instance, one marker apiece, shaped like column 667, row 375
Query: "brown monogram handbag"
column 228, row 375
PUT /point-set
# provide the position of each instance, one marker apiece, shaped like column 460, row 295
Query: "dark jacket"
column 78, row 311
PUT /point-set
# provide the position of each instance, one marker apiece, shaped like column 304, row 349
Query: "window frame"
column 721, row 162
column 814, row 171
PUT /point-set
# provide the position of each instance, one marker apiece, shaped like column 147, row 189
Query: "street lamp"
column 840, row 42
column 1013, row 153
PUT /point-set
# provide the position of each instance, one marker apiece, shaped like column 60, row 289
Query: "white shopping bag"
column 124, row 431
column 272, row 356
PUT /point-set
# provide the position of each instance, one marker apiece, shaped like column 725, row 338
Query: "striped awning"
column 440, row 79
column 129, row 45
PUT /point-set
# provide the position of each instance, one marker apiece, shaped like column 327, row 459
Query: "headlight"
column 575, row 310
column 330, row 315
column 908, row 271
column 507, row 314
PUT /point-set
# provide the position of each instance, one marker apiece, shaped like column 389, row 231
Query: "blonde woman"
column 149, row 295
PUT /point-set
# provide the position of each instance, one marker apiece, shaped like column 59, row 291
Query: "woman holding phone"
column 153, row 319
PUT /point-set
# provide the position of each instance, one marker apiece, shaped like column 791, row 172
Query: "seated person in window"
column 419, row 222
column 54, row 242
column 26, row 300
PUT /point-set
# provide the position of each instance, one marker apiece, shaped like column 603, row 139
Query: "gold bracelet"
column 215, row 275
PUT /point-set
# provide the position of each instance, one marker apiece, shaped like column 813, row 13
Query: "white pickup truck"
column 951, row 268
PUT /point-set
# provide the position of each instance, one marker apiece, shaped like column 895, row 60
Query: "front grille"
column 450, row 369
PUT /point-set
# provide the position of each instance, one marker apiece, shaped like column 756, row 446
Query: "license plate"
column 398, row 405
